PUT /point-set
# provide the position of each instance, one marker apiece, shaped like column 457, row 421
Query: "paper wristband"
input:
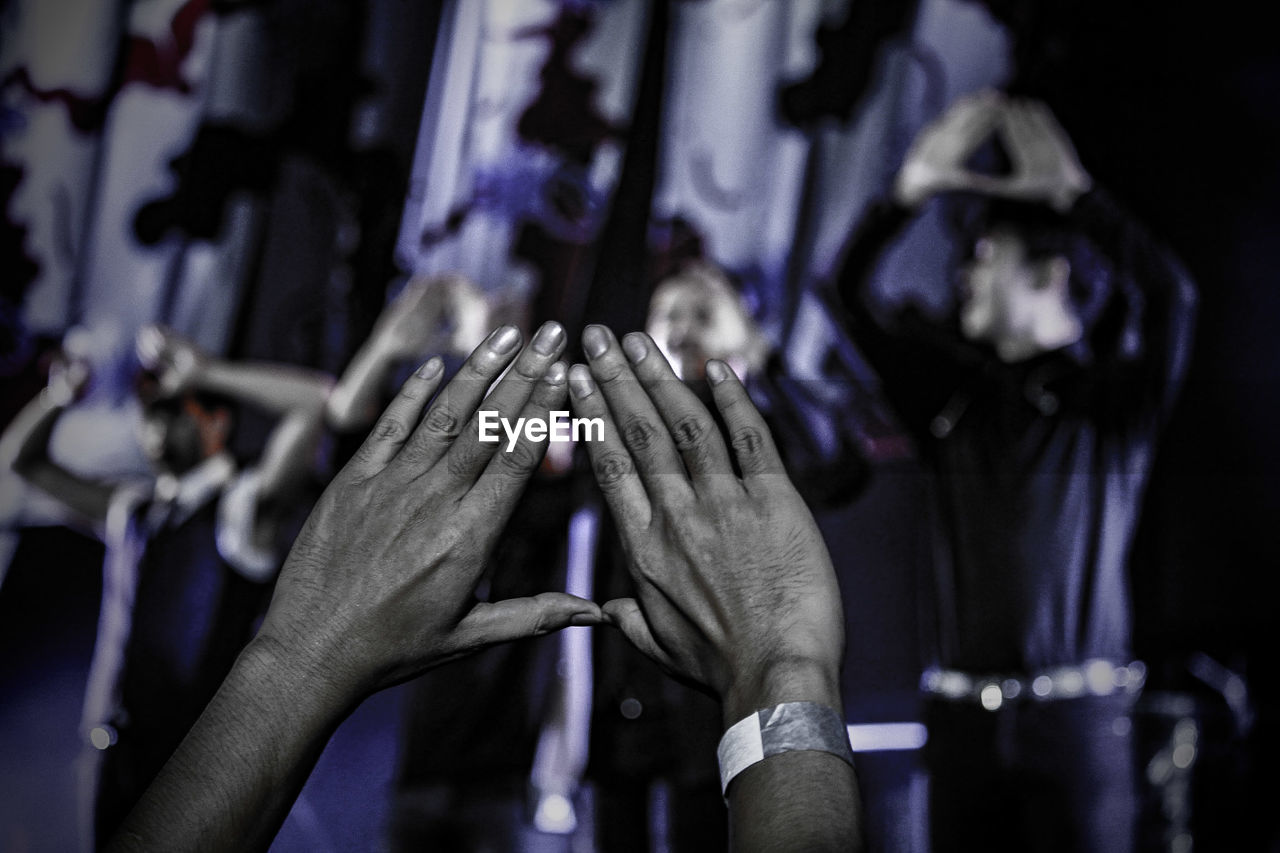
column 787, row 727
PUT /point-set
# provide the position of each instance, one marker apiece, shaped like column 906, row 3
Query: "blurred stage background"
column 263, row 176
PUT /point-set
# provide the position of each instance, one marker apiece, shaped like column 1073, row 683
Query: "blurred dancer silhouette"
column 190, row 553
column 1038, row 410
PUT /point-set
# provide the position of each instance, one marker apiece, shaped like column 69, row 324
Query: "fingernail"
column 584, row 619
column 595, row 341
column 430, row 368
column 548, row 338
column 717, row 372
column 634, row 346
column 580, row 384
column 504, row 340
column 555, row 374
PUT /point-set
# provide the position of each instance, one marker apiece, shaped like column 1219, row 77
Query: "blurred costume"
column 1040, row 467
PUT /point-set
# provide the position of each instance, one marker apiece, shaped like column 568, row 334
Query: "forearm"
column 273, row 388
column 353, row 403
column 27, row 437
column 25, row 448
column 882, row 224
column 802, row 800
column 289, row 453
column 1163, row 308
column 234, row 778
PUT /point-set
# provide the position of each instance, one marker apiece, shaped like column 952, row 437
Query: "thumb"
column 625, row 614
column 515, row 618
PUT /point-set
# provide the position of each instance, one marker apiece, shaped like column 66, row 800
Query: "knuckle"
column 747, row 441
column 639, row 433
column 528, row 369
column 390, row 429
column 441, row 423
column 689, row 432
column 647, row 570
column 732, row 403
column 475, row 370
column 607, row 371
column 490, row 499
column 460, row 463
column 538, row 624
column 523, row 457
column 414, row 454
column 612, row 469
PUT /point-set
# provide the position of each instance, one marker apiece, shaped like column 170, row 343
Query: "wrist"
column 311, row 662
column 791, row 679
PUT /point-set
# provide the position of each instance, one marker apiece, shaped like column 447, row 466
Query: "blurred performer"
column 1038, row 411
column 190, row 554
column 697, row 314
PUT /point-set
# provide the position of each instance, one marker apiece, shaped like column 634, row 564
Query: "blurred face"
column 691, row 322
column 1019, row 305
column 177, row 435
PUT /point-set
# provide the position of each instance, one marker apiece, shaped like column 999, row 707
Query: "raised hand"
column 935, row 161
column 379, row 585
column 1045, row 165
column 416, row 321
column 735, row 589
column 68, row 377
column 176, row 361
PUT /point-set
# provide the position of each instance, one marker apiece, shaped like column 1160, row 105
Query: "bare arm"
column 406, row 329
column 378, row 588
column 296, row 396
column 736, row 591
column 25, row 448
column 276, row 389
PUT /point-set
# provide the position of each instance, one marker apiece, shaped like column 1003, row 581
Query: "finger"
column 696, row 436
column 625, row 615
column 610, row 461
column 1021, row 137
column 500, row 485
column 516, row 618
column 467, row 457
column 1050, row 129
column 974, row 119
column 641, row 427
column 397, row 422
column 456, row 403
column 959, row 126
column 748, row 434
column 1040, row 114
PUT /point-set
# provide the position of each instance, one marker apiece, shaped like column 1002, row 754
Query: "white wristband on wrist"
column 788, row 727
